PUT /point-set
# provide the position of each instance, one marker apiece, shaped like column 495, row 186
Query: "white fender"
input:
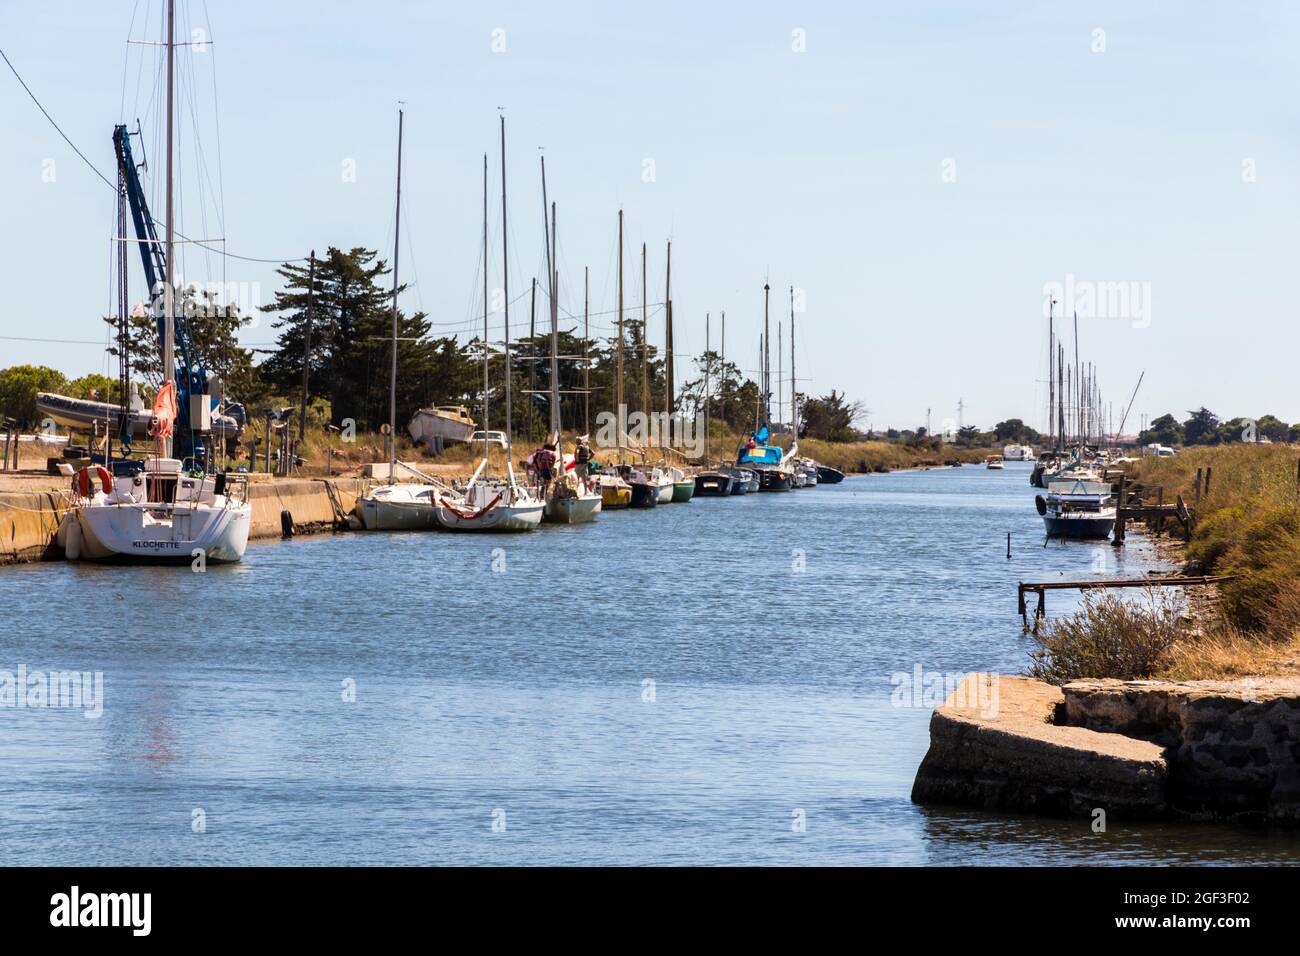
column 72, row 545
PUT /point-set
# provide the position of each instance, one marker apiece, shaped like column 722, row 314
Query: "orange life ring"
column 81, row 481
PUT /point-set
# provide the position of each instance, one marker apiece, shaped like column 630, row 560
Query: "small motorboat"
column 683, row 485
column 713, row 484
column 664, row 480
column 743, row 481
column 826, row 475
column 615, row 493
column 645, row 493
column 994, row 463
column 1078, row 508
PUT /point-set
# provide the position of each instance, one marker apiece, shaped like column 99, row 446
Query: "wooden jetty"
column 1042, row 587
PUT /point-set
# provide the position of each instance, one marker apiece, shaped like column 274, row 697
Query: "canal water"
column 715, row 682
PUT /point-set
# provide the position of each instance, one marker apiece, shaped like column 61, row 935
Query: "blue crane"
column 191, row 377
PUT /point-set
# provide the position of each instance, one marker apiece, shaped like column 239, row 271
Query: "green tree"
column 1165, row 430
column 830, row 418
column 351, row 340
column 18, row 387
column 1201, row 428
column 214, row 341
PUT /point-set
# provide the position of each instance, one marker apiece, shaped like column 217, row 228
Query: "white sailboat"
column 161, row 513
column 398, row 505
column 570, row 498
column 486, row 503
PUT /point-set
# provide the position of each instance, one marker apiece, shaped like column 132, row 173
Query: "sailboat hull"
column 576, row 510
column 500, row 518
column 161, row 534
column 397, row 508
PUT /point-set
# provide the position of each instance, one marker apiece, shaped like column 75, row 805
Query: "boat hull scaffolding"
column 400, row 507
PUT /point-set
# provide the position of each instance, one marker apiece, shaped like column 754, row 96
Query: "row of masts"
column 1077, row 415
column 550, row 228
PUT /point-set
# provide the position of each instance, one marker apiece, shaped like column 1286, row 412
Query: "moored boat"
column 713, row 484
column 159, row 514
column 826, row 475
column 1080, row 509
column 615, row 493
column 405, row 506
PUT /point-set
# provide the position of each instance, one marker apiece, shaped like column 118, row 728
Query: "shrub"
column 1107, row 637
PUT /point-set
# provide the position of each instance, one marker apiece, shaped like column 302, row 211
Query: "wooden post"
column 1208, row 472
column 1008, row 545
column 1196, row 488
column 1118, row 541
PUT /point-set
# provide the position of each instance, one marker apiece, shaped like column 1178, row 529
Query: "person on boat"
column 544, row 465
column 584, row 458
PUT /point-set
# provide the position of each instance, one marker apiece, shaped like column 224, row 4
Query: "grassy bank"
column 1246, row 524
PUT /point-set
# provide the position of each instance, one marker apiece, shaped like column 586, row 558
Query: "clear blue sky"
column 823, row 169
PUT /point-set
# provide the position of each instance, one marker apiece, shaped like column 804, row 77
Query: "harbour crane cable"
column 113, row 186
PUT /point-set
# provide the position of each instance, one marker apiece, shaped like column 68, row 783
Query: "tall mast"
column 505, row 288
column 765, row 358
column 169, row 290
column 1075, row 379
column 1051, row 374
column 555, row 350
column 586, row 353
column 619, row 387
column 392, row 390
column 551, row 283
column 669, row 384
column 486, row 385
column 780, row 372
column 706, row 389
column 722, row 360
column 645, row 348
column 794, row 402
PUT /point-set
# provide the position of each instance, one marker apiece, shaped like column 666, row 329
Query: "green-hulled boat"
column 683, row 485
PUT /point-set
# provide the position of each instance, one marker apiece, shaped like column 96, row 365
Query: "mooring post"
column 1020, row 605
column 1118, row 541
column 1008, row 545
